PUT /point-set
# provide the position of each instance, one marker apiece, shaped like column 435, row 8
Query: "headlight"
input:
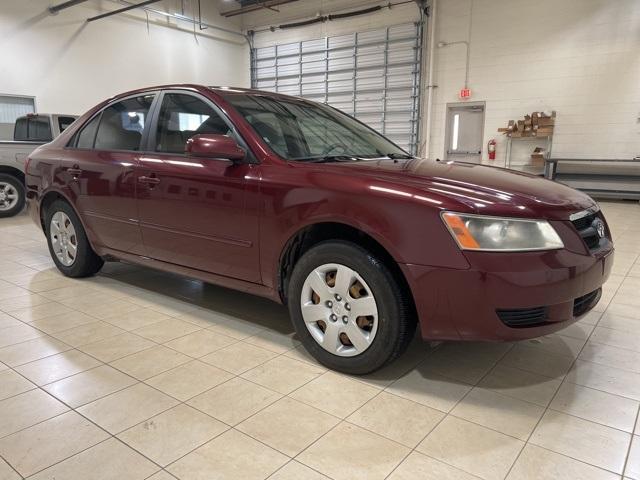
column 479, row 232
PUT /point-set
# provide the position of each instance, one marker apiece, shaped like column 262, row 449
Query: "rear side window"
column 122, row 124
column 182, row 117
column 87, row 135
column 64, row 122
column 33, row 128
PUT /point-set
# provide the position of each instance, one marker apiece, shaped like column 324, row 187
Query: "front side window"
column 122, row 124
column 183, row 116
column 303, row 131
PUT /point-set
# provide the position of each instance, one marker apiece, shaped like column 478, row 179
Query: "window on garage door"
column 372, row 75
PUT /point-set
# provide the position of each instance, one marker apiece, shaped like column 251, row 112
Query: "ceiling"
column 288, row 10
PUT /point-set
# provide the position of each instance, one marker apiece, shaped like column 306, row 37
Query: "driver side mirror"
column 214, row 146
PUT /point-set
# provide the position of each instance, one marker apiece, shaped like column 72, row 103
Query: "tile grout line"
column 11, row 466
column 633, row 436
column 527, row 442
column 377, row 394
column 344, row 420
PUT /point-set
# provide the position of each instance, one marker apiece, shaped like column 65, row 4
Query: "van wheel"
column 12, row 195
column 68, row 244
column 348, row 309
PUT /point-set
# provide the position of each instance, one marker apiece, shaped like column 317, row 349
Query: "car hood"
column 471, row 187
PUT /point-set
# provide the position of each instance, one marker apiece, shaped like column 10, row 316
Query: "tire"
column 12, row 195
column 383, row 336
column 84, row 261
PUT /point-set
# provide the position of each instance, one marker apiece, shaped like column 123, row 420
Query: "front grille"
column 583, row 304
column 587, row 229
column 523, row 317
column 584, row 222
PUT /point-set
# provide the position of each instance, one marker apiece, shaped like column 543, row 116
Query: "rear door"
column 100, row 170
column 193, row 210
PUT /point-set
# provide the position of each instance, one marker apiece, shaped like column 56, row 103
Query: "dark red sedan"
column 300, row 203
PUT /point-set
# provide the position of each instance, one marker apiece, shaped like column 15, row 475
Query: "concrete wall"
column 578, row 57
column 70, row 65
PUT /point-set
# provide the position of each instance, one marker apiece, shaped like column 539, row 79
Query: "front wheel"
column 12, row 196
column 348, row 308
column 68, row 244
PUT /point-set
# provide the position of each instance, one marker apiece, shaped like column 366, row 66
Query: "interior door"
column 192, row 210
column 100, row 171
column 465, row 125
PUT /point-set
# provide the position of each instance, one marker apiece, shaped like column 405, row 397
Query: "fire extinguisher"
column 491, row 148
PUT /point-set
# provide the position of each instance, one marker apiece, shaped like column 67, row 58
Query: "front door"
column 100, row 171
column 465, row 123
column 192, row 210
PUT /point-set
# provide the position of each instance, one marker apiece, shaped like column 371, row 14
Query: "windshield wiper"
column 329, row 158
column 399, row 156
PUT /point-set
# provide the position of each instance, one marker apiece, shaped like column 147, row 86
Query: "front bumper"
column 454, row 304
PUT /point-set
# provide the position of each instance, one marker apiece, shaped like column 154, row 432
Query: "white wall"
column 578, row 57
column 70, row 65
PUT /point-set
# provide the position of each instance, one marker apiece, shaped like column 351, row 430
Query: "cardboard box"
column 537, row 157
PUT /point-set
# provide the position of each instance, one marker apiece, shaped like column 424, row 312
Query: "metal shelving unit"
column 548, row 138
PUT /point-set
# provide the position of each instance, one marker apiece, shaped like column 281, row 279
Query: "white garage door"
column 372, row 75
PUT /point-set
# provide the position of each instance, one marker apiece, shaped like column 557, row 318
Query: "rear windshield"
column 32, row 129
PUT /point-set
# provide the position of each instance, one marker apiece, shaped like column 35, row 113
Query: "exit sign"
column 465, row 93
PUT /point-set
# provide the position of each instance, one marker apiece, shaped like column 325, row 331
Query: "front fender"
column 410, row 231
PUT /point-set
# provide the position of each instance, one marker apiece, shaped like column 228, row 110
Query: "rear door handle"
column 149, row 180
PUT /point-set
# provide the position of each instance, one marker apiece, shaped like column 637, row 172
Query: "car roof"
column 220, row 90
column 248, row 91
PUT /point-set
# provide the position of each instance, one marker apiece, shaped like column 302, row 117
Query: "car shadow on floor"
column 444, row 371
column 225, row 301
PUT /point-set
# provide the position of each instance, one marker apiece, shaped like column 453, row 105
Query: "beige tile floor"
column 137, row 374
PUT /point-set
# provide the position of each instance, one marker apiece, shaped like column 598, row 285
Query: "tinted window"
column 20, row 130
column 40, row 129
column 88, row 134
column 64, row 122
column 34, row 128
column 182, row 117
column 122, row 124
column 303, row 131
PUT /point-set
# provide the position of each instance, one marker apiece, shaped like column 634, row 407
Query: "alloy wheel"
column 8, row 196
column 63, row 238
column 339, row 310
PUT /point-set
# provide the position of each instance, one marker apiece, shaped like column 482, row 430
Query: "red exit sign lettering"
column 465, row 93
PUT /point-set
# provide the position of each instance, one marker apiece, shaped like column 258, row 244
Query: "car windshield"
column 303, row 131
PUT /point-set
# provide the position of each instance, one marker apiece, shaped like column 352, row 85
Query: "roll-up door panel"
column 372, row 75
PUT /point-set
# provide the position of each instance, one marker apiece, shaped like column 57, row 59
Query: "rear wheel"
column 348, row 308
column 12, row 195
column 68, row 242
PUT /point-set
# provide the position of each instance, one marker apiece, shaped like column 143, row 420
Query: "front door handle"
column 151, row 181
